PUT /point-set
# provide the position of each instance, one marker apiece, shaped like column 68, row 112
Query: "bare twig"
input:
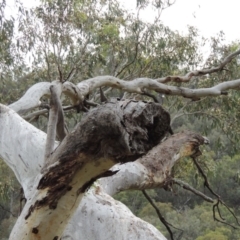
column 6, row 210
column 90, row 103
column 193, row 190
column 219, row 200
column 162, row 219
column 70, row 75
column 60, row 74
column 35, row 114
column 206, row 183
column 44, row 111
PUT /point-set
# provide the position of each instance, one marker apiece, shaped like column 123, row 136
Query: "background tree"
column 77, row 40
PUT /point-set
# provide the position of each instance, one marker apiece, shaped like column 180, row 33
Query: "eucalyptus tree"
column 69, row 176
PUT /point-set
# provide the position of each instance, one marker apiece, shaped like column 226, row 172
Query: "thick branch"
column 23, row 152
column 31, row 98
column 154, row 169
column 99, row 206
column 140, row 84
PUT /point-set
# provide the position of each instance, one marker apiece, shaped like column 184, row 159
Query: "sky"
column 209, row 16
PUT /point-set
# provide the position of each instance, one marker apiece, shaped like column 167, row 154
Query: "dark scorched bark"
column 120, row 130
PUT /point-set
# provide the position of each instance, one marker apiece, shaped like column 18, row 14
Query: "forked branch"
column 219, row 200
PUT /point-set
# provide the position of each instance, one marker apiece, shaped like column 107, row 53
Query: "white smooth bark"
column 77, row 93
column 21, row 147
column 139, row 84
column 31, row 99
column 100, row 217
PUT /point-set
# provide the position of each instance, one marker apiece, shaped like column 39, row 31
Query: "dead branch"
column 70, row 75
column 201, row 72
column 91, row 103
column 191, row 189
column 219, row 200
column 152, row 169
column 162, row 219
column 7, row 210
column 35, row 114
column 103, row 98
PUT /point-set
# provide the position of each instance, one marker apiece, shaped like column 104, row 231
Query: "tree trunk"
column 116, row 132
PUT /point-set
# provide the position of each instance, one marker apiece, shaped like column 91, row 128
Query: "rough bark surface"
column 121, row 131
column 118, row 131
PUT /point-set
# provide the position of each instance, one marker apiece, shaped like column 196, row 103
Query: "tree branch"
column 193, row 190
column 7, row 210
column 138, row 85
column 22, row 152
column 35, row 114
column 56, row 122
column 201, row 72
column 219, row 200
column 153, row 169
column 162, row 219
column 31, row 98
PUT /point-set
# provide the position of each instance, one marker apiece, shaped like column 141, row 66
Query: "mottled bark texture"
column 116, row 132
column 121, row 131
